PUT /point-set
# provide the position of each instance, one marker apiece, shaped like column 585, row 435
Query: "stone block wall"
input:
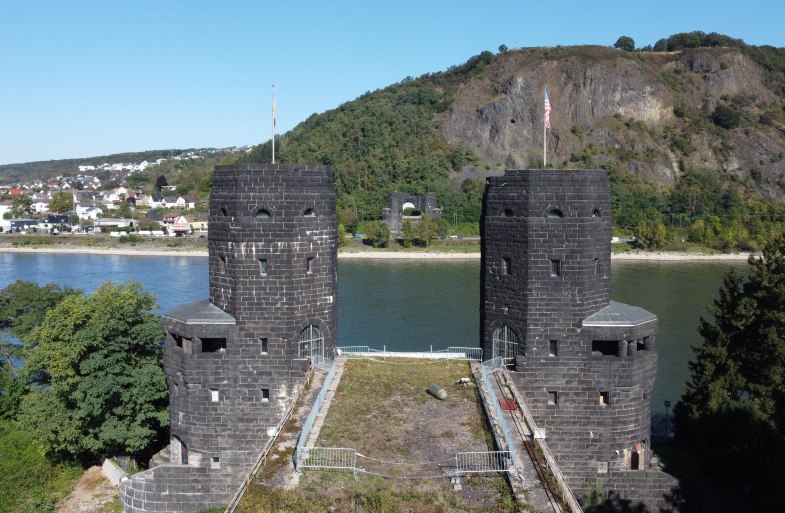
column 534, row 220
column 584, row 364
column 235, row 363
column 393, row 214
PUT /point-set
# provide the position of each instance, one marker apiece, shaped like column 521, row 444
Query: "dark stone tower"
column 236, row 362
column 585, row 364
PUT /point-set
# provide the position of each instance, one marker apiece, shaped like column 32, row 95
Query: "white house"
column 88, row 212
column 40, row 206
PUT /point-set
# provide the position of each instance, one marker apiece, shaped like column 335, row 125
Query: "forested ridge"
column 691, row 131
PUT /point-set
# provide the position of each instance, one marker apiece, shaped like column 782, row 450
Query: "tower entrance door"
column 311, row 342
column 505, row 345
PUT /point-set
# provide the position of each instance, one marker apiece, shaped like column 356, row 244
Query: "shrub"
column 726, row 117
column 378, row 234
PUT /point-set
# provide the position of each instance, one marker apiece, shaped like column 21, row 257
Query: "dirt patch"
column 93, row 493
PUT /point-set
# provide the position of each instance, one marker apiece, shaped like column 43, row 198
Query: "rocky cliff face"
column 646, row 111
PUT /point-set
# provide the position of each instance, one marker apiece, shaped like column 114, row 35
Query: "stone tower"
column 236, row 361
column 585, row 364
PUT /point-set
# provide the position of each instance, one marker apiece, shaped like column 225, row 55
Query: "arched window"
column 505, row 344
column 262, row 213
column 596, row 213
column 311, row 342
column 224, row 212
column 308, row 212
column 554, row 212
column 508, row 212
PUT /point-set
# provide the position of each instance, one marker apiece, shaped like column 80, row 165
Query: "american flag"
column 547, row 110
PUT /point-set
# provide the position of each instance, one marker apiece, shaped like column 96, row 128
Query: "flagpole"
column 273, row 127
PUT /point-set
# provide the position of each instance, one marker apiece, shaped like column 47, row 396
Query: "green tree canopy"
column 625, row 43
column 21, row 206
column 160, row 182
column 733, row 412
column 378, row 233
column 62, row 202
column 427, row 229
column 95, row 362
column 408, row 234
column 23, row 305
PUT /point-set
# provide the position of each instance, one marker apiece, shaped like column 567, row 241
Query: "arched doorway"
column 311, row 342
column 505, row 344
column 639, row 456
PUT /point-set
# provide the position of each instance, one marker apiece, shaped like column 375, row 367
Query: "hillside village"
column 96, row 208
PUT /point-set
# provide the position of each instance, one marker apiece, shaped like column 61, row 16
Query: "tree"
column 378, row 233
column 408, row 234
column 348, row 218
column 124, row 210
column 21, row 206
column 733, row 409
column 503, row 48
column 12, row 386
column 62, row 202
column 23, row 305
column 95, row 363
column 160, row 182
column 625, row 43
column 427, row 229
column 650, row 233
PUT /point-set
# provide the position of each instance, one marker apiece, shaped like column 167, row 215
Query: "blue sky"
column 86, row 78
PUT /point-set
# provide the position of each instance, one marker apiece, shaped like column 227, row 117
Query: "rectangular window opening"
column 263, row 266
column 640, row 344
column 265, row 395
column 215, row 462
column 555, row 268
column 604, row 398
column 604, row 347
column 222, row 264
column 553, row 397
column 596, row 266
column 553, row 348
column 506, row 265
column 214, row 395
column 265, row 349
column 212, row 345
column 309, row 265
column 178, row 340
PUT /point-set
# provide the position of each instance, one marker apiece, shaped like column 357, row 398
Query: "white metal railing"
column 470, row 353
column 486, row 369
column 467, row 353
column 317, row 404
column 484, row 462
column 341, row 458
column 352, row 351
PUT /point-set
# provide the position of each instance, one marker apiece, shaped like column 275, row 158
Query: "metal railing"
column 468, row 353
column 486, row 369
column 324, row 363
column 483, row 462
column 344, row 458
column 352, row 351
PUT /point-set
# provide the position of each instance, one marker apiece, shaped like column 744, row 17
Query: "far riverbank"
column 369, row 255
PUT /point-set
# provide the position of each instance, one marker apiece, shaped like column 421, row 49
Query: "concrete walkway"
column 527, row 485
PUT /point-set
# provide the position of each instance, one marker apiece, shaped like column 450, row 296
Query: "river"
column 412, row 304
